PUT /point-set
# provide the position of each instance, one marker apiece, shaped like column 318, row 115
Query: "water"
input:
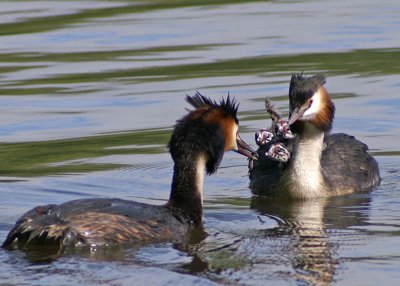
column 89, row 91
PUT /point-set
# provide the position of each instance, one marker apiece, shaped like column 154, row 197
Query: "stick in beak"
column 296, row 114
column 245, row 149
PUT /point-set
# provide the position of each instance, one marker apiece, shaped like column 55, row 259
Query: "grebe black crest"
column 320, row 164
column 197, row 145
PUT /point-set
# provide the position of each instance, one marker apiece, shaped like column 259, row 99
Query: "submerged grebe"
column 197, row 145
column 321, row 165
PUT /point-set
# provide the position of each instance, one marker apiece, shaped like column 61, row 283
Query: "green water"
column 90, row 91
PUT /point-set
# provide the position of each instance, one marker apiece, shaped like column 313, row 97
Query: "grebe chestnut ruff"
column 197, row 145
column 320, row 164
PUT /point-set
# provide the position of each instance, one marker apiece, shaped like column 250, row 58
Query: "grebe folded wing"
column 344, row 154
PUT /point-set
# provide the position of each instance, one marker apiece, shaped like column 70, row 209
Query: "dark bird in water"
column 321, row 164
column 197, row 145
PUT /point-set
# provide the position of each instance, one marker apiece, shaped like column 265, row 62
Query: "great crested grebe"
column 197, row 145
column 321, row 165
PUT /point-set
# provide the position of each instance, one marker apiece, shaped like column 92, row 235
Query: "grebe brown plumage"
column 197, row 145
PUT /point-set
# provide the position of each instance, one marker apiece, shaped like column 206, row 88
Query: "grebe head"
column 309, row 102
column 211, row 128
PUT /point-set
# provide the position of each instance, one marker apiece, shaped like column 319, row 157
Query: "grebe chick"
column 321, row 165
column 197, row 145
column 275, row 139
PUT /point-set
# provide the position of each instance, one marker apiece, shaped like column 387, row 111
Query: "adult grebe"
column 321, row 165
column 197, row 145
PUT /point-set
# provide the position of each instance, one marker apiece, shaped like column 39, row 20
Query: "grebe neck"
column 304, row 177
column 187, row 186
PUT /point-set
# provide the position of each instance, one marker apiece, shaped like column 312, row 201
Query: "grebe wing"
column 346, row 163
column 93, row 221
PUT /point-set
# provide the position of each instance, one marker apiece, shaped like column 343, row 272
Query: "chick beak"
column 296, row 114
column 245, row 149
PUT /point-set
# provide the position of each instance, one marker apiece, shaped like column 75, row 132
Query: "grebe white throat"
column 303, row 177
column 200, row 171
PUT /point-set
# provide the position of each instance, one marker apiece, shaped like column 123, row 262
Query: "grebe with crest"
column 197, row 145
column 320, row 164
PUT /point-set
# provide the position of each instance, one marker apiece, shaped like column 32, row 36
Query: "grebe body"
column 197, row 145
column 321, row 164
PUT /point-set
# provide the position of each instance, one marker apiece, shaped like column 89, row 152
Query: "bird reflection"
column 306, row 225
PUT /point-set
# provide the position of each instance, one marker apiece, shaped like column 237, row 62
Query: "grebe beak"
column 245, row 149
column 296, row 114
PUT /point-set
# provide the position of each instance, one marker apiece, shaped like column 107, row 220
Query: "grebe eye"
column 310, row 102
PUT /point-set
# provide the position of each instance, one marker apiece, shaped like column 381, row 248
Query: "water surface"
column 90, row 90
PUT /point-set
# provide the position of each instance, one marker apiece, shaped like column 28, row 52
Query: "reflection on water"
column 307, row 224
column 89, row 92
column 47, row 157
